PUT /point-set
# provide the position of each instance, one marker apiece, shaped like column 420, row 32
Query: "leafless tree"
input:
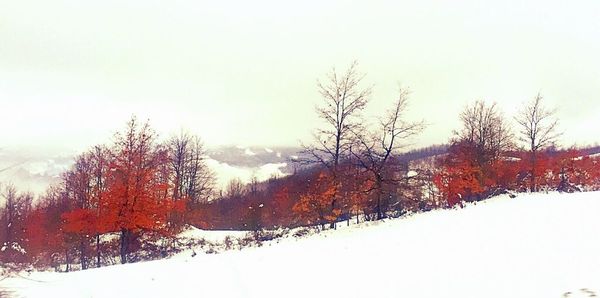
column 200, row 178
column 485, row 135
column 253, row 185
column 10, row 212
column 13, row 213
column 78, row 185
column 343, row 101
column 191, row 177
column 99, row 160
column 538, row 131
column 375, row 150
column 485, row 128
column 235, row 189
column 178, row 147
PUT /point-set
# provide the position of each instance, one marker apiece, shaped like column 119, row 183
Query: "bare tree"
column 376, row 150
column 200, row 178
column 78, row 184
column 484, row 139
column 9, row 192
column 538, row 131
column 99, row 160
column 191, row 177
column 253, row 185
column 17, row 207
column 343, row 100
column 485, row 128
column 235, row 189
column 178, row 147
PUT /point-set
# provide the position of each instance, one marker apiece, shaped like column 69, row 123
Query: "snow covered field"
column 541, row 245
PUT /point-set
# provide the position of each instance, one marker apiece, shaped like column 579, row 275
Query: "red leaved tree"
column 136, row 198
column 314, row 206
column 459, row 178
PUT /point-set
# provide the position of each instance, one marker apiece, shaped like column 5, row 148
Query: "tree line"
column 129, row 200
column 126, row 199
column 485, row 157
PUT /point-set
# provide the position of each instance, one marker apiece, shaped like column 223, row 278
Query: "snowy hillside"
column 542, row 245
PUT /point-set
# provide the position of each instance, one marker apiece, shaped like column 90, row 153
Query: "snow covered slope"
column 542, row 245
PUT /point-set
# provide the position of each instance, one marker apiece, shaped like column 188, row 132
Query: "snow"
column 14, row 247
column 249, row 152
column 596, row 155
column 511, row 158
column 213, row 236
column 225, row 172
column 269, row 150
column 269, row 170
column 534, row 245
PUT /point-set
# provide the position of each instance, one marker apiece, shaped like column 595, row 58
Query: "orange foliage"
column 459, row 177
column 315, row 206
column 134, row 202
column 80, row 221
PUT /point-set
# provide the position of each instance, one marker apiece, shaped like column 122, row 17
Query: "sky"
column 73, row 72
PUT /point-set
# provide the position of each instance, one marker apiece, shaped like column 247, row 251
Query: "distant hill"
column 230, row 162
column 35, row 170
column 252, row 157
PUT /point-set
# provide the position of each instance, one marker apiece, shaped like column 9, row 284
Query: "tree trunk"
column 379, row 215
column 98, row 251
column 379, row 191
column 67, row 260
column 332, row 224
column 533, row 164
column 124, row 245
column 83, row 254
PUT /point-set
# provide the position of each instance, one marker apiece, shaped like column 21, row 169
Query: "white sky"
column 244, row 72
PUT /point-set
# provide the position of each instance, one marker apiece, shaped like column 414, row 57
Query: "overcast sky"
column 244, row 72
